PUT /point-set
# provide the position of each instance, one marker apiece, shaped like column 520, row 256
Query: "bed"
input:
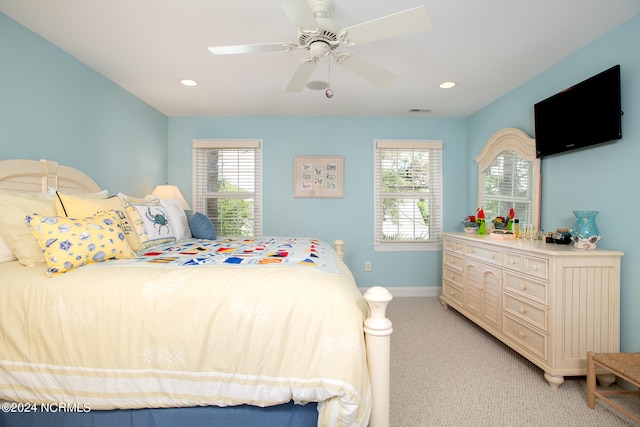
column 266, row 330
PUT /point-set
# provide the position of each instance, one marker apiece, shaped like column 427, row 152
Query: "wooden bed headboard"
column 39, row 175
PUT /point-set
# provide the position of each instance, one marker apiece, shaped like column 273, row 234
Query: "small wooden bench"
column 623, row 365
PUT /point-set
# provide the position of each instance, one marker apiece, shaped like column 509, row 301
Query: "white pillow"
column 6, row 254
column 177, row 218
column 13, row 208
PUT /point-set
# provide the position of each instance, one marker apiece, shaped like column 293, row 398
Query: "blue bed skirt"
column 287, row 415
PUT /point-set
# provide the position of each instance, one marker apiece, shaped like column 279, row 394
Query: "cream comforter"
column 114, row 336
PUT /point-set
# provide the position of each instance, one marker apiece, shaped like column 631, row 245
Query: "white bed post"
column 339, row 244
column 378, row 329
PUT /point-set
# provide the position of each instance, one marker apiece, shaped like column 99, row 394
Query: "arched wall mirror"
column 509, row 177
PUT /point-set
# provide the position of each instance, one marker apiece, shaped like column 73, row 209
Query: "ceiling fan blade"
column 301, row 75
column 365, row 69
column 252, row 48
column 298, row 11
column 397, row 24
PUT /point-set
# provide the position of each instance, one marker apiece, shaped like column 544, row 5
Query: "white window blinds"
column 506, row 184
column 227, row 185
column 408, row 192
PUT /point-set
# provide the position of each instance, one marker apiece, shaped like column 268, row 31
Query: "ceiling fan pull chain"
column 329, row 92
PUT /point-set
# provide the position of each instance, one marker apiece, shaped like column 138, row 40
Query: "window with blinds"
column 227, row 185
column 506, row 184
column 408, row 194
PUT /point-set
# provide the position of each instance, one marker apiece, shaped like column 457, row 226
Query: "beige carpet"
column 445, row 371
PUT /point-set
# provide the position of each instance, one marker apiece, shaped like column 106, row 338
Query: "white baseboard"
column 422, row 291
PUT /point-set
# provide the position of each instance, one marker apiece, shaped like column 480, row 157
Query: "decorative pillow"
column 150, row 221
column 201, row 226
column 13, row 207
column 79, row 206
column 6, row 254
column 60, row 208
column 177, row 218
column 75, row 206
column 68, row 243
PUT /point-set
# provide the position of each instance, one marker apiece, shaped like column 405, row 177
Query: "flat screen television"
column 586, row 114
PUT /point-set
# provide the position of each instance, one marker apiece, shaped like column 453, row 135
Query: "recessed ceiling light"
column 447, row 85
column 189, row 82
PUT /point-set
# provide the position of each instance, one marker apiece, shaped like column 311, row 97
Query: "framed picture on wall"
column 318, row 176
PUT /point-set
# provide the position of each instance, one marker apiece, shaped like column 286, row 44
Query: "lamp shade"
column 171, row 192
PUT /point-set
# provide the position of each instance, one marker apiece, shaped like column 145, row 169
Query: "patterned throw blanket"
column 291, row 251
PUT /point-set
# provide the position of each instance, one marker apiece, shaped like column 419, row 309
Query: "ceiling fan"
column 321, row 36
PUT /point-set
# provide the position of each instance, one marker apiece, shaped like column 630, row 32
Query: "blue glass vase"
column 585, row 226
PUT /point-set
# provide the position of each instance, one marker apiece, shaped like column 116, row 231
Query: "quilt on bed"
column 186, row 325
column 243, row 252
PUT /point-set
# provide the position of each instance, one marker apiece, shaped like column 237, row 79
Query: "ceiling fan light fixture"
column 447, row 85
column 189, row 82
column 319, row 49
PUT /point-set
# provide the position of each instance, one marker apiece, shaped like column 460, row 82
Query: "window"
column 408, row 195
column 507, row 184
column 509, row 177
column 227, row 185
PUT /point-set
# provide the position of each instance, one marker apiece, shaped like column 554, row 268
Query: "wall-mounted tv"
column 586, row 114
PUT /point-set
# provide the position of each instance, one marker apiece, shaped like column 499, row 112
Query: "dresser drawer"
column 525, row 286
column 487, row 254
column 453, row 245
column 538, row 267
column 452, row 261
column 453, row 276
column 451, row 293
column 512, row 261
column 526, row 311
column 525, row 336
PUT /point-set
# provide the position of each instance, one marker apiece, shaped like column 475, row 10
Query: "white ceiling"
column 488, row 47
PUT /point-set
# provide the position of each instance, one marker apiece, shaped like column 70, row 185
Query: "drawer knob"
column 452, row 293
column 523, row 286
column 522, row 310
column 521, row 334
column 534, row 266
column 512, row 261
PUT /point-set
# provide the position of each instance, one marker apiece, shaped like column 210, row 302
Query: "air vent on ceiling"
column 420, row 110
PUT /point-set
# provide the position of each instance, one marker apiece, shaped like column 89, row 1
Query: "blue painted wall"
column 349, row 218
column 52, row 106
column 603, row 178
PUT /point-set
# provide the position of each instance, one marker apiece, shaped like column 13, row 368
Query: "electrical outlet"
column 367, row 266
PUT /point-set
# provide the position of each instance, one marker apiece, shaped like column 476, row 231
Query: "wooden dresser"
column 550, row 303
